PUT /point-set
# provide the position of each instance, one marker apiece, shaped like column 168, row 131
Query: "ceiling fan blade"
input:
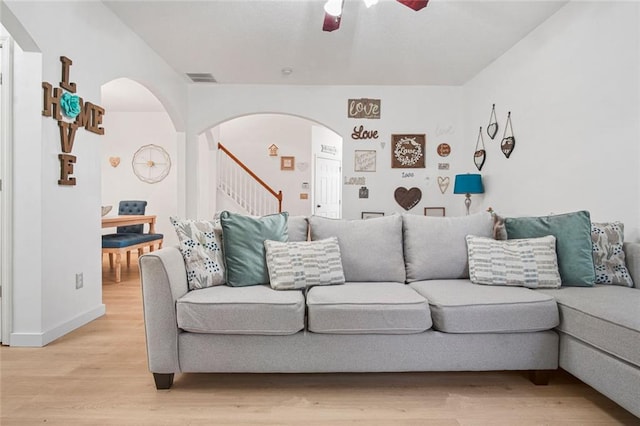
column 331, row 23
column 414, row 4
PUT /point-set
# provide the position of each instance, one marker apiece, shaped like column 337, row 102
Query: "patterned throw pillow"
column 294, row 265
column 528, row 262
column 201, row 247
column 608, row 256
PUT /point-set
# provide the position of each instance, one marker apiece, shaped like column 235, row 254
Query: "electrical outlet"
column 79, row 281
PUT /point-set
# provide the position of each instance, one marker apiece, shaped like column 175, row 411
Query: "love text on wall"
column 71, row 112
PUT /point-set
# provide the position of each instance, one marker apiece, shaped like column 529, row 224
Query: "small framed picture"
column 287, row 163
column 434, row 211
column 370, row 215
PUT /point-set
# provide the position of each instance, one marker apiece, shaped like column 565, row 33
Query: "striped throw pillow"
column 530, row 262
column 294, row 265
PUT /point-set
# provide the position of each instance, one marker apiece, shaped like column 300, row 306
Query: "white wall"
column 128, row 131
column 435, row 111
column 57, row 229
column 572, row 86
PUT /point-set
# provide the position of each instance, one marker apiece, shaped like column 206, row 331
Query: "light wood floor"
column 97, row 375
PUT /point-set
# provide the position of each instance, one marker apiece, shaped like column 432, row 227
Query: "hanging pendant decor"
column 480, row 155
column 492, row 128
column 508, row 142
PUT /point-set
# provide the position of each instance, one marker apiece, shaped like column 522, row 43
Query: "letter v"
column 67, row 135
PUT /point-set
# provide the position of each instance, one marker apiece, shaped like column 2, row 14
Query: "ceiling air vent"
column 198, row 77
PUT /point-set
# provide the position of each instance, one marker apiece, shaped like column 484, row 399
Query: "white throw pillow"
column 530, row 262
column 201, row 248
column 294, row 265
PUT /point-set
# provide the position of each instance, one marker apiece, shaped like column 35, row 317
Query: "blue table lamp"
column 468, row 184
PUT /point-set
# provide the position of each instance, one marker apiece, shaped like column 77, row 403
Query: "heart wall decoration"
column 114, row 161
column 508, row 142
column 480, row 155
column 492, row 128
column 443, row 183
column 407, row 198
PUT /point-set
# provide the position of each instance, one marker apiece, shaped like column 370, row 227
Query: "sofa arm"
column 164, row 279
column 632, row 256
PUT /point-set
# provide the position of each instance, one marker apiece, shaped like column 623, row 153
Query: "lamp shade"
column 468, row 184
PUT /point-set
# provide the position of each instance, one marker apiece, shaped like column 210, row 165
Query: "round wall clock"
column 151, row 163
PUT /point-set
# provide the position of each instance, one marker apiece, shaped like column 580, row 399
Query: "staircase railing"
column 244, row 187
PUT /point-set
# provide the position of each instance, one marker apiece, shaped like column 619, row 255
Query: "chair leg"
column 118, row 267
column 140, row 251
column 128, row 258
column 110, row 260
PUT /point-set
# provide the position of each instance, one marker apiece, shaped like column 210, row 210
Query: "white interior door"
column 327, row 188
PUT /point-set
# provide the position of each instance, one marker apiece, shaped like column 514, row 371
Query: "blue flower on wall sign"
column 70, row 105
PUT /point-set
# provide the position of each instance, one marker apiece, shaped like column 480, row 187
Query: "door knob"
column 318, row 206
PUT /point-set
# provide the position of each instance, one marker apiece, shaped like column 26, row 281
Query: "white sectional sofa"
column 407, row 305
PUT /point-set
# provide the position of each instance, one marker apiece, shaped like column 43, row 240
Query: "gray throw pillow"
column 371, row 249
column 435, row 247
column 243, row 240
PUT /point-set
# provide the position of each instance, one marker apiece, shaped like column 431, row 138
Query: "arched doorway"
column 282, row 150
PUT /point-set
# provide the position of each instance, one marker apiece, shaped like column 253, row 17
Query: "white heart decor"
column 443, row 183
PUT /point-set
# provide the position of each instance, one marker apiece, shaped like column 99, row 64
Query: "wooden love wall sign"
column 61, row 101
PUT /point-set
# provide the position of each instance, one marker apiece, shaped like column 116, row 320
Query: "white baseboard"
column 42, row 339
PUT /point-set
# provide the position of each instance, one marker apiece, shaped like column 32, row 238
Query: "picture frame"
column 408, row 151
column 287, row 163
column 364, row 160
column 434, row 211
column 371, row 215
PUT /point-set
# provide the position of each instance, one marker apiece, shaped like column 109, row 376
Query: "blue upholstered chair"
column 128, row 238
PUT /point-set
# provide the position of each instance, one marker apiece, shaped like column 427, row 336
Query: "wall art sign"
column 407, row 151
column 508, row 142
column 371, row 215
column 492, row 128
column 329, row 149
column 443, row 166
column 443, row 183
column 434, row 211
column 287, row 163
column 443, row 150
column 480, row 155
column 363, row 108
column 359, row 133
column 407, row 198
column 62, row 100
column 273, row 150
column 364, row 161
column 359, row 180
column 408, row 175
column 363, row 192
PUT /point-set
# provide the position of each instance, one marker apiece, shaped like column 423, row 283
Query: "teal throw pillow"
column 573, row 243
column 243, row 240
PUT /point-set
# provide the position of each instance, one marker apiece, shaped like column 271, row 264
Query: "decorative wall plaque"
column 508, row 142
column 492, row 128
column 83, row 114
column 407, row 151
column 443, row 150
column 364, row 161
column 407, row 198
column 359, row 133
column 480, row 155
column 443, row 183
column 363, row 108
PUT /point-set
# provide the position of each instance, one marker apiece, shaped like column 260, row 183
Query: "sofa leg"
column 163, row 381
column 540, row 377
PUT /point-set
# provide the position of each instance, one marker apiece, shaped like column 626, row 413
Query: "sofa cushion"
column 201, row 248
column 529, row 262
column 573, row 242
column 300, row 264
column 371, row 249
column 607, row 317
column 298, row 228
column 435, row 247
column 241, row 310
column 608, row 254
column 367, row 308
column 243, row 240
column 459, row 306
